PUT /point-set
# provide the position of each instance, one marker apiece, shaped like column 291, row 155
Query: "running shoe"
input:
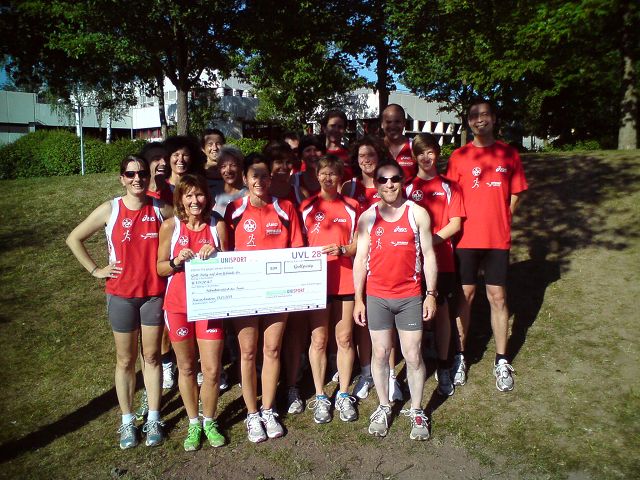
column 143, row 409
column 271, row 423
column 216, row 439
column 128, row 435
column 335, row 378
column 223, row 383
column 192, row 442
column 379, row 421
column 504, row 376
column 200, row 378
column 255, row 430
column 395, row 390
column 168, row 375
column 294, row 402
column 459, row 370
column 445, row 385
column 345, row 405
column 420, row 428
column 321, row 407
column 153, row 430
column 362, row 387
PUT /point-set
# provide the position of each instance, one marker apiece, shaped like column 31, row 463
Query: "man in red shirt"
column 393, row 122
column 391, row 236
column 491, row 178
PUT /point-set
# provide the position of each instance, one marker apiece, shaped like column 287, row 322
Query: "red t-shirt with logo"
column 175, row 300
column 394, row 256
column 487, row 176
column 406, row 161
column 363, row 195
column 132, row 240
column 332, row 221
column 443, row 200
column 275, row 225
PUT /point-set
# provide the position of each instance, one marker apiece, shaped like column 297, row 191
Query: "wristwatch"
column 173, row 265
column 343, row 250
column 433, row 293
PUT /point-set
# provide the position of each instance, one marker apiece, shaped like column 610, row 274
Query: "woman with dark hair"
column 334, row 126
column 184, row 157
column 260, row 221
column 195, row 232
column 134, row 290
column 305, row 183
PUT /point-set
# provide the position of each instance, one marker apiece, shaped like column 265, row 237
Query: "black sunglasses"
column 395, row 179
column 132, row 173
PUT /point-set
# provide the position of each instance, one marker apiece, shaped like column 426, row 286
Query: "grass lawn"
column 574, row 291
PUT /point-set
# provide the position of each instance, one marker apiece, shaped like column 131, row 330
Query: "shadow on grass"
column 560, row 213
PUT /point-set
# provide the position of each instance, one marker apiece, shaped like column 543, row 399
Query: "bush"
column 447, row 149
column 580, row 145
column 57, row 152
column 248, row 145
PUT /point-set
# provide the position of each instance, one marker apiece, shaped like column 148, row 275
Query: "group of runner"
column 404, row 246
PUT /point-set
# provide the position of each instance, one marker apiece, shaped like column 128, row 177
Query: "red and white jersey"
column 132, row 240
column 163, row 194
column 443, row 200
column 406, row 161
column 394, row 265
column 363, row 195
column 332, row 221
column 276, row 225
column 343, row 154
column 487, row 176
column 297, row 184
column 175, row 300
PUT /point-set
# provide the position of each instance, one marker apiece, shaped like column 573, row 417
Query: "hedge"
column 57, row 152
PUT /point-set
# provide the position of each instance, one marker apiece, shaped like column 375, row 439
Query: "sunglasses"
column 395, row 179
column 132, row 173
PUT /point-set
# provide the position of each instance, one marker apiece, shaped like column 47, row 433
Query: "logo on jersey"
column 417, row 195
column 436, row 194
column 494, row 184
column 272, row 224
column 476, row 171
column 183, row 240
column 339, row 220
column 379, row 231
column 182, row 332
column 147, row 236
column 399, row 244
column 501, row 169
column 212, row 330
column 204, row 241
column 249, row 225
column 251, row 242
column 127, row 223
column 147, row 218
column 399, row 229
column 319, row 217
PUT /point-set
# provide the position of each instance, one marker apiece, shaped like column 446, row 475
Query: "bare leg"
column 152, row 371
column 411, row 344
column 343, row 312
column 274, row 326
column 497, row 296
column 186, row 357
column 247, row 329
column 381, row 342
column 464, row 313
column 211, row 365
column 319, row 325
column 125, row 376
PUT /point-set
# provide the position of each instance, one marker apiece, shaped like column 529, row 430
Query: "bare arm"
column 164, row 249
column 514, row 203
column 360, row 269
column 90, row 225
column 430, row 266
column 448, row 231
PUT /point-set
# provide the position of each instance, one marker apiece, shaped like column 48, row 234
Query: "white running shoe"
column 395, row 390
column 420, row 428
column 294, row 402
column 223, row 383
column 255, row 430
column 504, row 378
column 379, row 421
column 321, row 406
column 459, row 370
column 362, row 387
column 271, row 423
column 344, row 405
column 168, row 375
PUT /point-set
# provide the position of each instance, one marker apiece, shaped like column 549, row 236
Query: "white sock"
column 128, row 418
column 206, row 419
column 154, row 415
column 194, row 421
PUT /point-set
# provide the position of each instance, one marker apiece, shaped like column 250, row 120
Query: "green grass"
column 574, row 297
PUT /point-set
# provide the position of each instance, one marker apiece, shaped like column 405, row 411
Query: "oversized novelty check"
column 235, row 284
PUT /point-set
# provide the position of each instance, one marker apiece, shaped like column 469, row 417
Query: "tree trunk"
column 161, row 107
column 109, row 124
column 183, row 111
column 382, row 65
column 628, row 132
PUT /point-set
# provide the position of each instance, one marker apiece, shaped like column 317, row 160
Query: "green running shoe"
column 216, row 439
column 192, row 442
